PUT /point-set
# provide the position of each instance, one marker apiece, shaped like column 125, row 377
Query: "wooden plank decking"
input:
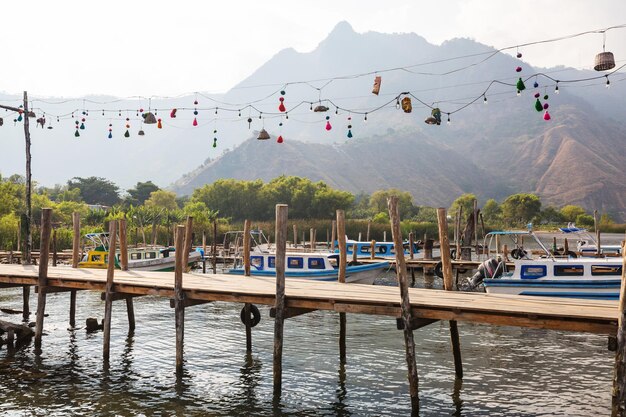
column 549, row 313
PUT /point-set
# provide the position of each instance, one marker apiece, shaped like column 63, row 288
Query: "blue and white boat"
column 363, row 249
column 586, row 244
column 550, row 276
column 310, row 266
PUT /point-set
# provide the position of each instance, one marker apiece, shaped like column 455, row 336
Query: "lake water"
column 508, row 371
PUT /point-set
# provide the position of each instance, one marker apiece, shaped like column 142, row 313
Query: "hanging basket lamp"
column 604, row 61
column 263, row 135
column 320, row 108
column 149, row 118
column 406, row 105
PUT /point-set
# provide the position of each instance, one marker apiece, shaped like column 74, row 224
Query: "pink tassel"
column 546, row 116
column 195, row 122
column 328, row 126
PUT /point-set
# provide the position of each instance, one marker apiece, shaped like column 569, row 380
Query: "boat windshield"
column 98, row 240
column 517, row 238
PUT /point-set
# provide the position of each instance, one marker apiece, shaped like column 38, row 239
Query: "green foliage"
column 584, row 220
column 465, row 202
column 551, row 215
column 69, row 195
column 492, row 212
column 570, row 212
column 378, row 202
column 162, row 199
column 141, row 192
column 425, row 215
column 96, row 190
column 12, row 197
column 381, row 218
column 8, row 231
column 519, row 209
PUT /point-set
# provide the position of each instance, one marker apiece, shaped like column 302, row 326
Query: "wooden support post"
column 409, row 343
column 428, row 247
column 130, row 310
column 279, row 321
column 54, row 247
column 179, row 307
column 566, row 247
column 295, row 236
column 333, row 235
column 359, row 237
column 188, row 242
column 596, row 225
column 214, row 246
column 369, row 226
column 203, row 244
column 475, row 228
column 341, row 235
column 498, row 245
column 384, row 235
column 411, row 243
column 75, row 260
column 618, row 408
column 42, row 281
column 505, row 253
column 246, row 272
column 447, row 285
column 72, row 308
column 373, row 249
column 458, row 230
column 25, row 302
column 108, row 303
column 312, row 238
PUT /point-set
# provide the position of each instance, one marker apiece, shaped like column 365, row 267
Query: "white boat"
column 586, row 244
column 310, row 266
column 143, row 259
column 547, row 275
column 363, row 248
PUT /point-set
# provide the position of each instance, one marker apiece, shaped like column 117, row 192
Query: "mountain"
column 492, row 150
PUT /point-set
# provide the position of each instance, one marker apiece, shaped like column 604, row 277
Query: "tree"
column 426, row 214
column 571, row 212
column 551, row 215
column 492, row 212
column 378, row 202
column 141, row 192
column 96, row 190
column 162, row 199
column 465, row 202
column 584, row 220
column 519, row 209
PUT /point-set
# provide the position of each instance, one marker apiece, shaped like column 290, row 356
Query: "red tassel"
column 546, row 116
column 281, row 106
column 195, row 122
column 280, row 139
column 328, row 126
column 173, row 113
column 159, row 125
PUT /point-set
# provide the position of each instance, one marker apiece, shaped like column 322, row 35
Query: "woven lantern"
column 604, row 61
column 406, row 105
column 149, row 118
column 377, row 81
column 320, row 108
column 263, row 135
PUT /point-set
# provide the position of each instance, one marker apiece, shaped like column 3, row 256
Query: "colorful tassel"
column 19, row 118
column 349, row 134
column 215, row 142
column 328, row 126
column 538, row 105
column 545, row 106
column 280, row 139
column 77, row 134
column 520, row 85
column 110, row 135
column 173, row 113
column 546, row 116
column 195, row 122
column 127, row 134
column 281, row 106
column 159, row 125
column 518, row 69
column 82, row 126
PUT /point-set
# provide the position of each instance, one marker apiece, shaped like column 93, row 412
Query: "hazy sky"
column 128, row 48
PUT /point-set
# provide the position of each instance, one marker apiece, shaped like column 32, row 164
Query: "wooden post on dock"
column 54, row 247
column 566, row 247
column 596, row 225
column 312, row 238
column 333, row 235
column 42, row 282
column 214, row 250
column 384, row 235
column 444, row 246
column 108, row 301
column 343, row 261
column 279, row 320
column 246, row 272
column 373, row 249
column 355, row 253
column 369, row 225
column 75, row 260
column 475, row 229
column 618, row 408
column 295, row 236
column 411, row 243
column 179, row 306
column 428, row 247
column 130, row 309
column 458, row 237
column 188, row 242
column 409, row 343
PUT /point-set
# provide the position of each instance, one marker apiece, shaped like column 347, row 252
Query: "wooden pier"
column 411, row 308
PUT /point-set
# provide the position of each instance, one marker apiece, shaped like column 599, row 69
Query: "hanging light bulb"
column 448, row 118
column 608, row 83
column 398, row 103
column 365, row 119
column 484, row 99
column 556, row 89
column 519, row 93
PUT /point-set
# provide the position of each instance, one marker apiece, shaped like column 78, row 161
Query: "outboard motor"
column 491, row 268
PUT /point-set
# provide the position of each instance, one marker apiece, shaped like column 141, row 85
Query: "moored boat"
column 310, row 266
column 363, row 249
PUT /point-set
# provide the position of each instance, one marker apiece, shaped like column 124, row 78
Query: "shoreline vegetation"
column 152, row 213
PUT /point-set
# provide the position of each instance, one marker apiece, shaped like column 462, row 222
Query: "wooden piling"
column 279, row 320
column 42, row 281
column 246, row 272
column 373, row 249
column 108, row 301
column 444, row 246
column 369, row 225
column 596, row 225
column 295, row 236
column 341, row 235
column 566, row 247
column 25, row 302
column 409, row 343
column 179, row 306
column 130, row 309
column 475, row 228
column 333, row 235
column 618, row 407
column 54, row 247
column 214, row 250
column 188, row 242
column 458, row 230
column 312, row 239
column 428, row 247
column 75, row 260
column 411, row 243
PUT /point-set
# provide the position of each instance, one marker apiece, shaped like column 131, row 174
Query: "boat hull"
column 606, row 289
column 358, row 274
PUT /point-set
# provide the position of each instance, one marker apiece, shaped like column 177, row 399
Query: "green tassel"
column 520, row 85
column 127, row 134
column 76, row 134
column 349, row 134
column 538, row 105
column 82, row 126
column 19, row 118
